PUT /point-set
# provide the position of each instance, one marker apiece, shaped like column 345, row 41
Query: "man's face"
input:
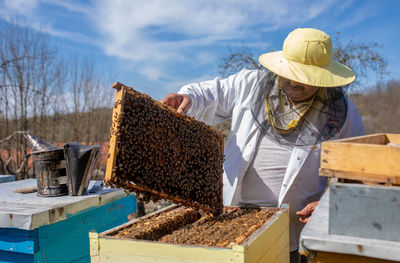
column 298, row 92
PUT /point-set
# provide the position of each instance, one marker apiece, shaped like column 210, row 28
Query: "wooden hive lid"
column 158, row 153
column 371, row 159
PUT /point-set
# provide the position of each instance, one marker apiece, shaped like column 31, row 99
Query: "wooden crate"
column 371, row 158
column 269, row 243
column 329, row 257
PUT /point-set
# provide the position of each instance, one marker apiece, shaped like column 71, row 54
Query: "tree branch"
column 12, row 135
column 21, row 167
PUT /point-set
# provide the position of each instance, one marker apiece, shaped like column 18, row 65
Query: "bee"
column 168, row 153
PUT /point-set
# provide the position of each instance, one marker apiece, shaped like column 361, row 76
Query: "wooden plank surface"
column 114, row 250
column 379, row 138
column 112, row 231
column 6, row 178
column 360, row 161
column 278, row 252
column 364, row 178
column 64, row 241
column 18, row 241
column 326, row 257
column 29, row 211
column 68, row 241
column 118, row 108
column 393, row 138
column 270, row 243
column 269, row 240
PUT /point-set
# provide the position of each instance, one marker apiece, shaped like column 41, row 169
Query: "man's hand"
column 180, row 102
column 307, row 211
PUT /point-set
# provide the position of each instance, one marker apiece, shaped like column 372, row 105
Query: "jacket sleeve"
column 214, row 100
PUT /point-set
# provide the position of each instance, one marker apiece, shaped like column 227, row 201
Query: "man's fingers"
column 172, row 99
column 185, row 104
column 307, row 211
column 304, row 219
column 166, row 99
column 180, row 102
column 304, row 212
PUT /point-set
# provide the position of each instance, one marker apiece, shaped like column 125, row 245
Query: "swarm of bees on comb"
column 154, row 228
column 158, row 153
column 185, row 226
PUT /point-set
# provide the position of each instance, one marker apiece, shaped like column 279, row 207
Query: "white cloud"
column 142, row 30
column 175, row 85
column 22, row 7
column 156, row 32
column 150, row 72
column 202, row 58
column 24, row 13
column 74, row 6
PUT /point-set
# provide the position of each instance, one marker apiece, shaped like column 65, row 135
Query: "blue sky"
column 156, row 46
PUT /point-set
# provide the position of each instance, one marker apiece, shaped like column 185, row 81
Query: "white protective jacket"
column 220, row 99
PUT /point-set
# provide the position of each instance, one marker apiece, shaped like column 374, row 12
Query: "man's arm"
column 212, row 101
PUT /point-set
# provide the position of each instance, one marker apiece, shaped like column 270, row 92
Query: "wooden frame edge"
column 117, row 109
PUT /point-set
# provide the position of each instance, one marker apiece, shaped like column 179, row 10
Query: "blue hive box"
column 56, row 229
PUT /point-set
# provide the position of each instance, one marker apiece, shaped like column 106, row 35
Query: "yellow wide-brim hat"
column 307, row 58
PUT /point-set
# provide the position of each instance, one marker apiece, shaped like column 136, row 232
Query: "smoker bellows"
column 158, row 153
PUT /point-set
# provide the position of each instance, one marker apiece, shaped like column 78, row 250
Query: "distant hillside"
column 380, row 109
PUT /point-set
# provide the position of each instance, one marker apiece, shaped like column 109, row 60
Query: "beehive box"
column 321, row 246
column 260, row 241
column 372, row 158
column 377, row 213
column 158, row 153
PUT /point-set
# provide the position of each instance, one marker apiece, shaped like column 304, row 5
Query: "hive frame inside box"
column 371, row 158
column 269, row 243
column 111, row 161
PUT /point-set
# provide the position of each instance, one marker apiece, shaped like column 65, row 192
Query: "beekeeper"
column 280, row 116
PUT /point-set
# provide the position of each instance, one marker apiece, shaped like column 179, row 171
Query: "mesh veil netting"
column 322, row 121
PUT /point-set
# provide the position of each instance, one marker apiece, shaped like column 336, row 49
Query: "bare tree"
column 90, row 94
column 361, row 57
column 51, row 98
column 236, row 59
column 19, row 173
column 29, row 70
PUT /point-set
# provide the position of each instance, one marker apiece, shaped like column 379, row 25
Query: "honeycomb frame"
column 180, row 225
column 206, row 175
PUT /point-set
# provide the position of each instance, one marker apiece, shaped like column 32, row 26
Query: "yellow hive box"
column 269, row 243
column 371, row 158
